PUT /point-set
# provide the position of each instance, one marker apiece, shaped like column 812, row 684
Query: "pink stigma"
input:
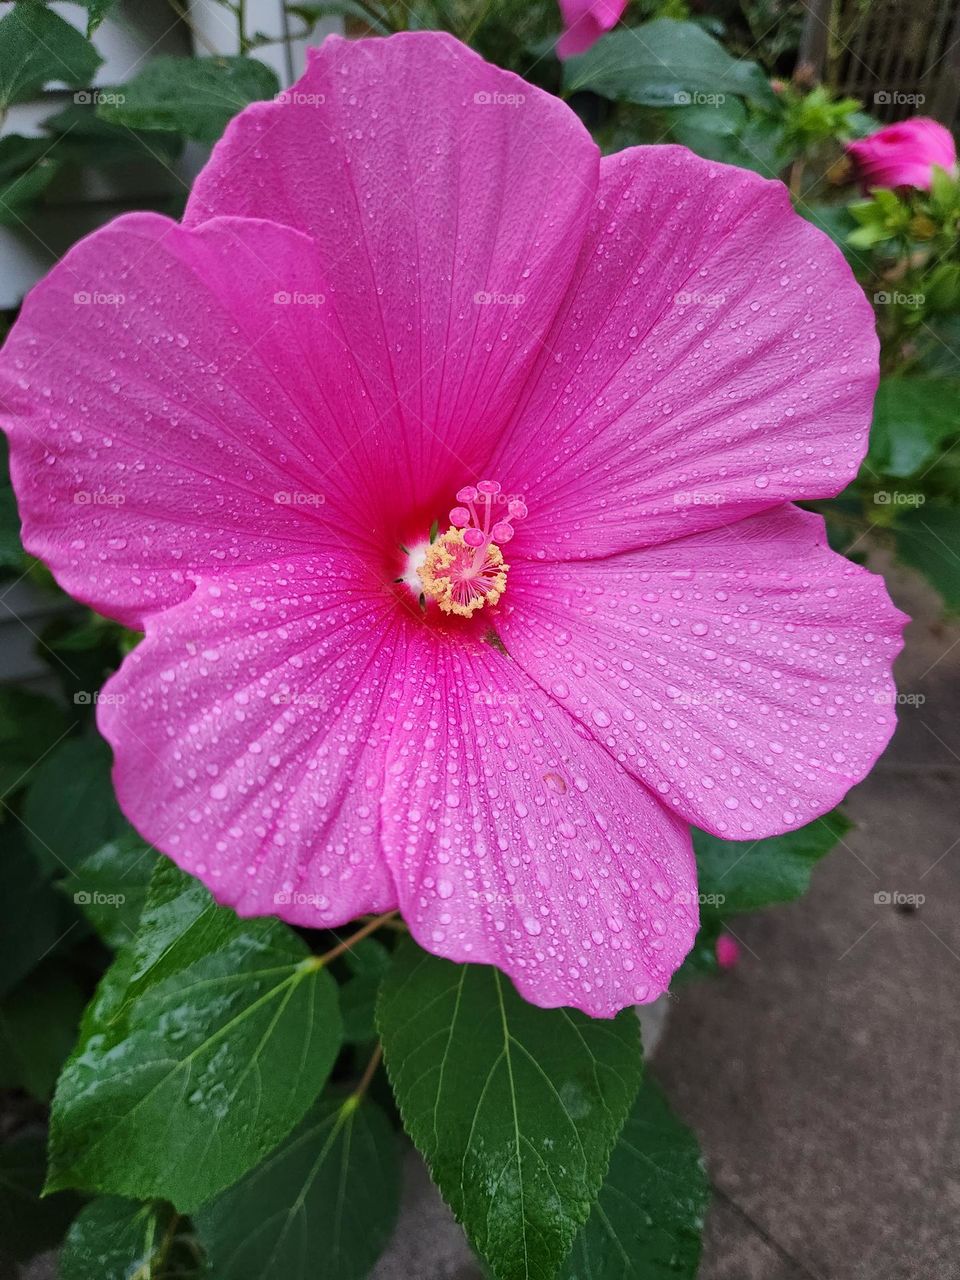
column 464, row 567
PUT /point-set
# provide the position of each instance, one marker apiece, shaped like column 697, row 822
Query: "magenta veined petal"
column 516, row 841
column 318, row 755
column 585, row 21
column 185, row 400
column 903, row 154
column 714, row 357
column 400, row 300
column 744, row 674
column 448, row 199
column 250, row 739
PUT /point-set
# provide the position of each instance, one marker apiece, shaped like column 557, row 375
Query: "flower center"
column 464, row 568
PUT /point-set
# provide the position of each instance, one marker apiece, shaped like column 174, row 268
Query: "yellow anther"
column 461, row 579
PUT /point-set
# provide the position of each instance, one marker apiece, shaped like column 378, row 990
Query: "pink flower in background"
column 728, row 951
column 903, row 154
column 411, row 295
column 585, row 21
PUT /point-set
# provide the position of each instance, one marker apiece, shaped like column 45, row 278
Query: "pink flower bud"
column 903, row 154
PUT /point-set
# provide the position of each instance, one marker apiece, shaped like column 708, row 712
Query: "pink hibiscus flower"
column 903, row 154
column 585, row 21
column 412, row 287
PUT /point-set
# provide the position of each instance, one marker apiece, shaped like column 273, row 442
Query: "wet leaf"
column 323, row 1204
column 743, row 875
column 31, row 726
column 207, row 1041
column 516, row 1109
column 70, row 810
column 195, row 97
column 115, row 1239
column 927, row 538
column 110, row 886
column 647, row 1222
column 666, row 63
column 913, row 418
column 33, row 916
column 36, row 48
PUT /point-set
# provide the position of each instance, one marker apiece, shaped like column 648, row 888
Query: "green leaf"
column 323, row 1204
column 116, row 1239
column 110, row 886
column 832, row 219
column 27, row 166
column 33, row 916
column 368, row 960
column 28, row 1225
column 36, row 47
column 84, row 138
column 12, row 555
column 658, row 63
column 928, row 538
column 31, row 725
column 913, row 418
column 358, row 1008
column 647, row 1222
column 38, row 1025
column 743, row 875
column 516, row 1109
column 206, row 1044
column 70, row 810
column 192, row 96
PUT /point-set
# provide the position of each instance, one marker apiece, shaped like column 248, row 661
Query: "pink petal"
column 516, row 841
column 742, row 674
column 178, row 418
column 715, row 357
column 249, row 739
column 449, row 199
column 586, row 21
